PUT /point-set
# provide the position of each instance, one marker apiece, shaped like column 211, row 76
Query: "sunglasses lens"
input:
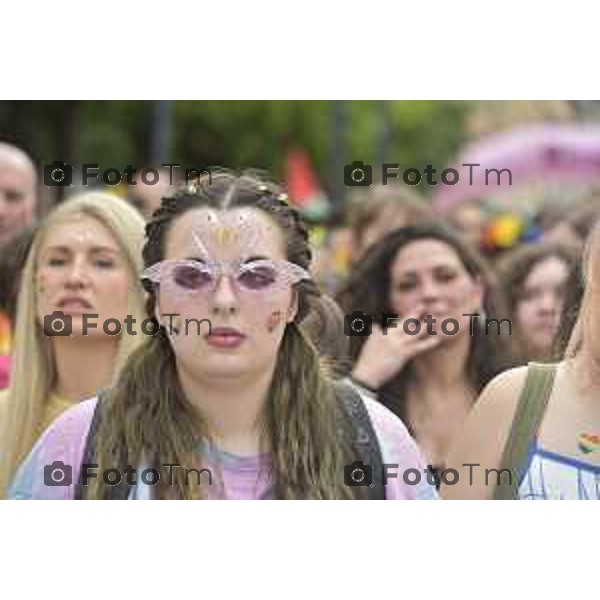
column 191, row 278
column 257, row 278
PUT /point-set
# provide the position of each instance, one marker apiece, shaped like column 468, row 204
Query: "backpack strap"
column 116, row 492
column 357, row 426
column 359, row 429
column 525, row 425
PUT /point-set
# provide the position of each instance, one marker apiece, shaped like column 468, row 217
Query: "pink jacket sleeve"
column 51, row 470
column 404, row 467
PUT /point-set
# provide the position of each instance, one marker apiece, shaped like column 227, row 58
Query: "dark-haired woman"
column 227, row 400
column 428, row 374
column 535, row 279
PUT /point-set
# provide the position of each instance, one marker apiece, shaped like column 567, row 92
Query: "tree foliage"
column 239, row 134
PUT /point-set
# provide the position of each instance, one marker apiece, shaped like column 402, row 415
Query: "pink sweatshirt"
column 243, row 477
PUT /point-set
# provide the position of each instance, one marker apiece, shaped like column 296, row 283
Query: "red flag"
column 303, row 188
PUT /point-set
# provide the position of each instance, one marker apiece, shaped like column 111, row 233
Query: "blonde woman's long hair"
column 33, row 372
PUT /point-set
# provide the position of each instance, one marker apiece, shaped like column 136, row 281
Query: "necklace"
column 588, row 442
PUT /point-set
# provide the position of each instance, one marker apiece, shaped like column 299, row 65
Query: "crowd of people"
column 405, row 354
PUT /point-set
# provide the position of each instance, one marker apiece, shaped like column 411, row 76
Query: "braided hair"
column 147, row 415
column 223, row 191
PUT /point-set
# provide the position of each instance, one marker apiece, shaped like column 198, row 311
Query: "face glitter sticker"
column 274, row 320
column 226, row 235
column 224, row 232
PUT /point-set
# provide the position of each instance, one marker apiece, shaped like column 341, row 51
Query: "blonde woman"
column 85, row 259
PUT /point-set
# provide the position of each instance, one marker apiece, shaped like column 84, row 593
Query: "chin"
column 541, row 348
column 211, row 365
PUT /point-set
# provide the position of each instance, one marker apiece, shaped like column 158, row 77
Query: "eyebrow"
column 92, row 249
column 248, row 260
column 256, row 257
column 438, row 267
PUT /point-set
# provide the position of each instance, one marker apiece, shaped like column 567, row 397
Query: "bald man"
column 18, row 182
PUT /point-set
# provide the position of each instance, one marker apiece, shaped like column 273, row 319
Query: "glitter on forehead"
column 81, row 237
column 84, row 236
column 199, row 244
column 223, row 231
column 86, row 231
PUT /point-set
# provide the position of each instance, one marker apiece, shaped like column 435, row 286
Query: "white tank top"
column 552, row 476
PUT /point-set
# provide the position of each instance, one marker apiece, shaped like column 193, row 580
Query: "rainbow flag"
column 303, row 187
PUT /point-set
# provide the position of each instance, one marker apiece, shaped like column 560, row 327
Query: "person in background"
column 430, row 380
column 379, row 210
column 552, row 219
column 18, row 205
column 584, row 217
column 568, row 223
column 85, row 258
column 146, row 197
column 18, row 193
column 12, row 260
column 470, row 219
column 535, row 431
column 535, row 282
column 332, row 253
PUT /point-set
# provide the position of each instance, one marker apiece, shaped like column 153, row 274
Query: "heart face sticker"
column 588, row 442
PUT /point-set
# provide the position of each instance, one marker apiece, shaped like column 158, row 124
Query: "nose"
column 549, row 304
column 430, row 290
column 224, row 299
column 77, row 275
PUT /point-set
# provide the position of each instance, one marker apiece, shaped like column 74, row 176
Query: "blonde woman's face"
column 83, row 271
column 246, row 313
